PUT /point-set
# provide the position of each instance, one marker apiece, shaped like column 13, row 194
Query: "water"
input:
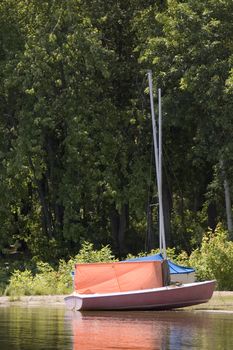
column 34, row 328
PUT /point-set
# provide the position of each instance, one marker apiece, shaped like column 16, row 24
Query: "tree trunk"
column 46, row 216
column 123, row 225
column 227, row 200
column 114, row 225
column 228, row 206
column 167, row 206
column 150, row 234
column 212, row 215
column 119, row 224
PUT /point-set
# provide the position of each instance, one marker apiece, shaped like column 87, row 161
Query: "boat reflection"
column 134, row 330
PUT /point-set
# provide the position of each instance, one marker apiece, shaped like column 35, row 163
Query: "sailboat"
column 137, row 285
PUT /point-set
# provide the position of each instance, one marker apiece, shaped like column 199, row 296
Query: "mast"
column 162, row 230
column 158, row 162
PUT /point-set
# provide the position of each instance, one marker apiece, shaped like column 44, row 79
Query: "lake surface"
column 34, row 328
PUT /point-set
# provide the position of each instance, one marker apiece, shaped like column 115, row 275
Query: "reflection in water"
column 115, row 332
column 33, row 328
column 147, row 330
column 43, row 328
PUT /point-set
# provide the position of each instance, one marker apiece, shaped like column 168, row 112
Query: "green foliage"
column 188, row 228
column 75, row 134
column 188, row 47
column 21, row 283
column 11, row 264
column 214, row 259
column 47, row 280
column 88, row 254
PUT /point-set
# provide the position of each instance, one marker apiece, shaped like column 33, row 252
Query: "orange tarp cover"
column 117, row 277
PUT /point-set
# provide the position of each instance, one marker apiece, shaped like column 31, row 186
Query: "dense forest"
column 76, row 142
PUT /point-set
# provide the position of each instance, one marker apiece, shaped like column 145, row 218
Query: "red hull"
column 150, row 299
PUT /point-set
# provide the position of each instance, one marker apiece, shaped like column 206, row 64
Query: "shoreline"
column 220, row 302
column 33, row 300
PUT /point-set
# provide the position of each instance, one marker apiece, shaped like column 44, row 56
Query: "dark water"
column 36, row 328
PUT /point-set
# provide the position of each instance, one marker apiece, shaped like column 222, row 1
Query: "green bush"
column 21, row 283
column 47, row 280
column 88, row 254
column 214, row 260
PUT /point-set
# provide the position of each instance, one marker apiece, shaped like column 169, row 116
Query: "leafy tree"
column 76, row 161
column 75, row 132
column 56, row 81
column 188, row 46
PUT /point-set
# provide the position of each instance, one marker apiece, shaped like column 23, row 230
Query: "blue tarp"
column 174, row 268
